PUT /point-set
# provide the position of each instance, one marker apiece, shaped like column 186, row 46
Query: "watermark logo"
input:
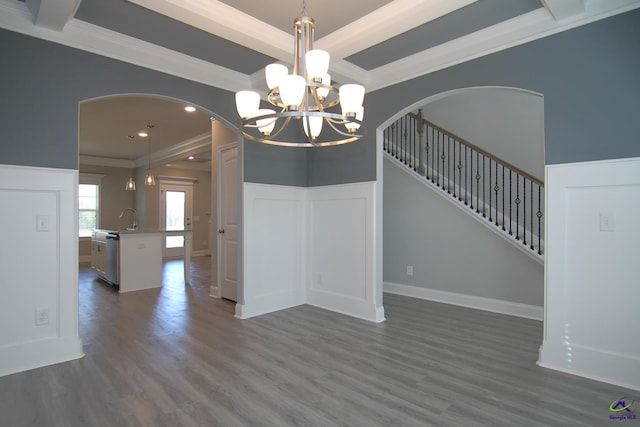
column 622, row 409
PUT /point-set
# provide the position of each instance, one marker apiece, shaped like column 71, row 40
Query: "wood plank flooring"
column 176, row 357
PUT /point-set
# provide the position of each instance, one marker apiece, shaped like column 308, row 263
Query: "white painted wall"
column 508, row 122
column 29, row 194
column 592, row 289
column 310, row 246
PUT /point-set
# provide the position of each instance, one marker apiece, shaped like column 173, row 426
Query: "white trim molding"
column 479, row 303
column 591, row 319
column 44, row 228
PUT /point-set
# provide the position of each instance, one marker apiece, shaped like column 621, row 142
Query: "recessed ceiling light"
column 143, row 134
column 190, row 108
column 191, row 157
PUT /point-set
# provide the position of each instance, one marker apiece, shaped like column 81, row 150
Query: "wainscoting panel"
column 592, row 321
column 341, row 256
column 39, row 265
column 274, row 249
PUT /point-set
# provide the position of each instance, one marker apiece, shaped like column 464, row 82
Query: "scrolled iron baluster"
column 484, row 189
column 531, row 220
column 490, row 204
column 539, row 215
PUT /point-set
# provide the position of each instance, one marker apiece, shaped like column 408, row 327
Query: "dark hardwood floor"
column 176, row 357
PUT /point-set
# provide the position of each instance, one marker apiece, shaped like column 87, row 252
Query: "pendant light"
column 149, row 179
column 131, row 183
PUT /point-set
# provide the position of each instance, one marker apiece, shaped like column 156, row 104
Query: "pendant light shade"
column 130, row 185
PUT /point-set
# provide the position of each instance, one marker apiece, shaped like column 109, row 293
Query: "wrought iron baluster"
column 448, row 165
column 471, row 177
column 496, row 189
column 524, row 210
column 426, row 147
column 531, row 216
column 539, row 215
column 459, row 171
column 490, row 205
column 510, row 203
column 484, row 198
column 518, row 206
column 454, row 170
column 477, row 182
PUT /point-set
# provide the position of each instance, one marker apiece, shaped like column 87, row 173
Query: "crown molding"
column 176, row 152
column 516, row 31
column 106, row 162
column 81, row 35
column 222, row 20
column 386, row 22
column 540, row 23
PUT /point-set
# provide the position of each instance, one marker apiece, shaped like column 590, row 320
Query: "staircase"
column 498, row 194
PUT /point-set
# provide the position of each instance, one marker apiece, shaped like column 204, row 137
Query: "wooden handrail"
column 485, row 153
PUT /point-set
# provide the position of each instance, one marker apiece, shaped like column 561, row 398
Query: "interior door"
column 228, row 220
column 175, row 214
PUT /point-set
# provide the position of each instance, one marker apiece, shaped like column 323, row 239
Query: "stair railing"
column 503, row 194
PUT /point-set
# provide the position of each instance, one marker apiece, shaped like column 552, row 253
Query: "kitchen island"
column 136, row 257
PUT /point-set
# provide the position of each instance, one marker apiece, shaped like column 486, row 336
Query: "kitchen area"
column 131, row 259
column 129, row 237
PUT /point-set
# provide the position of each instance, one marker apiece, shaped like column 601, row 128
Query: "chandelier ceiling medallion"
column 306, row 96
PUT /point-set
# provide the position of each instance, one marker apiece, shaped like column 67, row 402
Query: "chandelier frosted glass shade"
column 324, row 114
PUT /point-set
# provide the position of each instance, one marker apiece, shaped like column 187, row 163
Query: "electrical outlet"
column 409, row 270
column 42, row 316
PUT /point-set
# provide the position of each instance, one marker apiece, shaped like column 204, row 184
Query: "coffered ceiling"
column 226, row 43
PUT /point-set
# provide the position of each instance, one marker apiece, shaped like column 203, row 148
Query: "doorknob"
column 221, row 231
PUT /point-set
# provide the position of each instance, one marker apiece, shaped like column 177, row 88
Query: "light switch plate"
column 606, row 222
column 42, row 223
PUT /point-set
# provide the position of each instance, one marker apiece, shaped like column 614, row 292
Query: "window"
column 88, row 196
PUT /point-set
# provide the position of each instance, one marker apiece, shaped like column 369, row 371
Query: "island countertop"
column 126, row 231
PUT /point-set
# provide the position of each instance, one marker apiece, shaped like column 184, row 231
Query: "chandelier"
column 329, row 115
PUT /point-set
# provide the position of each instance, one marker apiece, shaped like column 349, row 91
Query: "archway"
column 108, row 142
column 420, row 257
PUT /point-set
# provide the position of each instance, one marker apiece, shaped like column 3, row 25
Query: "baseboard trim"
column 204, row 252
column 470, row 301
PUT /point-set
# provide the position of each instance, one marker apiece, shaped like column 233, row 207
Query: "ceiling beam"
column 52, row 14
column 563, row 9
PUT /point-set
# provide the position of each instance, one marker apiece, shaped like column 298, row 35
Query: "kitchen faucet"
column 134, row 226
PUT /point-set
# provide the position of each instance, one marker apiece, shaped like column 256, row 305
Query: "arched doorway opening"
column 423, row 254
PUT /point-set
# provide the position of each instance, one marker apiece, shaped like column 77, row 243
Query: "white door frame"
column 175, row 185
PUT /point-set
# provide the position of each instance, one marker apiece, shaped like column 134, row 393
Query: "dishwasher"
column 113, row 259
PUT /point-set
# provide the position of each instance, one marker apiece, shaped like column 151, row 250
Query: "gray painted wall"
column 44, row 82
column 502, row 121
column 447, row 248
column 588, row 76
